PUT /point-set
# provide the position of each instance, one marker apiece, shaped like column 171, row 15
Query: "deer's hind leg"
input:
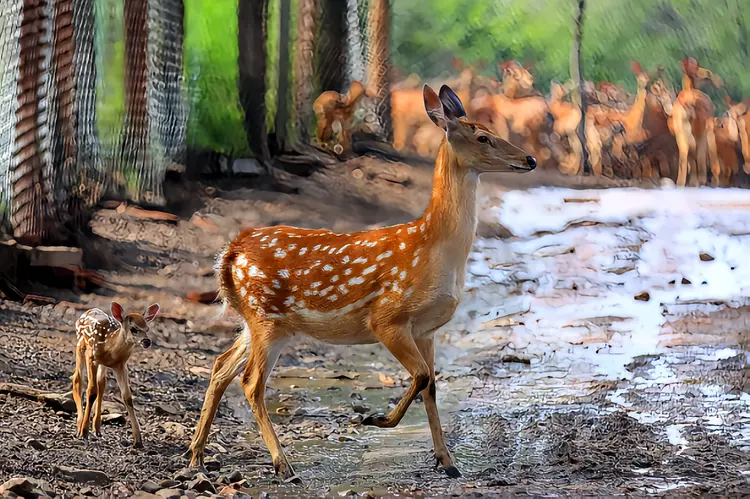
column 101, row 386
column 91, row 367
column 265, row 350
column 227, row 366
column 78, row 384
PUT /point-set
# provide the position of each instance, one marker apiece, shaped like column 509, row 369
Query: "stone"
column 36, row 444
column 150, row 487
column 212, row 464
column 26, row 487
column 77, row 475
column 201, row 483
column 170, row 493
column 185, row 474
column 168, row 484
column 247, row 166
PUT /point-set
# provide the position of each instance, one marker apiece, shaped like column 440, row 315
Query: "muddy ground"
column 515, row 427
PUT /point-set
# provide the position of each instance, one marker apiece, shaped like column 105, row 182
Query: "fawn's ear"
column 636, row 67
column 452, row 107
column 434, row 107
column 116, row 311
column 150, row 314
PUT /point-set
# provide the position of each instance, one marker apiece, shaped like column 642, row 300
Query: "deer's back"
column 325, row 284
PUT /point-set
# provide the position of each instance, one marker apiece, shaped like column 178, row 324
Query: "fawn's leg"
column 78, row 386
column 101, row 386
column 701, row 153
column 265, row 352
column 226, row 368
column 426, row 346
column 398, row 340
column 121, row 375
column 83, row 429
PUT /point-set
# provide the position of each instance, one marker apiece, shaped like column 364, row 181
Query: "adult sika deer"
column 395, row 285
column 108, row 341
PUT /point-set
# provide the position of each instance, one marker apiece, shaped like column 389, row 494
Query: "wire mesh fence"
column 103, row 97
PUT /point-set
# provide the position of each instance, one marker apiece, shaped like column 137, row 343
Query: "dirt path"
column 515, row 426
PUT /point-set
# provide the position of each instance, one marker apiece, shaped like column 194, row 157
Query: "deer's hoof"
column 138, row 444
column 284, row 470
column 452, row 472
column 378, row 420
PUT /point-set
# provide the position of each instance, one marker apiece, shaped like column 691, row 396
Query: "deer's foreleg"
column 397, row 338
column 426, row 347
column 265, row 351
column 121, row 375
column 226, row 368
column 83, row 427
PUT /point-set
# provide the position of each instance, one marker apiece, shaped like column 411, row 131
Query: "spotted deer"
column 105, row 341
column 395, row 285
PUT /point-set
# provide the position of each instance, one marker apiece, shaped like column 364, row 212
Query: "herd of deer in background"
column 658, row 133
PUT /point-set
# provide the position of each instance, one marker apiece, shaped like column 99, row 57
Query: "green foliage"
column 110, row 61
column 210, row 54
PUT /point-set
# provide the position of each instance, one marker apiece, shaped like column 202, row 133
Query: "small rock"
column 150, row 487
column 247, row 166
column 185, row 474
column 705, row 257
column 94, row 477
column 141, row 494
column 175, row 430
column 36, row 444
column 170, row 493
column 234, row 476
column 357, row 173
column 228, row 492
column 168, row 484
column 86, row 491
column 201, row 483
column 212, row 463
column 685, row 281
column 169, row 410
column 642, row 296
column 26, row 487
column 360, row 409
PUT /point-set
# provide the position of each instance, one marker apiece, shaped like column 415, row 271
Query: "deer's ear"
column 434, row 107
column 636, row 67
column 116, row 311
column 452, row 107
column 150, row 314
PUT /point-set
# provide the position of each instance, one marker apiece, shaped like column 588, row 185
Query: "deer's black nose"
column 145, row 343
column 531, row 162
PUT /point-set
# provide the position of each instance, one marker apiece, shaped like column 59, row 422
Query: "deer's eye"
column 133, row 330
column 483, row 139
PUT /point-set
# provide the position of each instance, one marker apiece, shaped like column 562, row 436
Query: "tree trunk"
column 134, row 156
column 304, row 60
column 579, row 97
column 31, row 194
column 63, row 120
column 165, row 81
column 331, row 46
column 282, row 95
column 88, row 152
column 252, row 69
column 378, row 69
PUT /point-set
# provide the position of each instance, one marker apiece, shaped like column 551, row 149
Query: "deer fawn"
column 395, row 285
column 108, row 341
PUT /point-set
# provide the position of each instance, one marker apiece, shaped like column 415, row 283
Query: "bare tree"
column 579, row 97
column 252, row 68
column 304, row 60
column 31, row 193
column 379, row 62
column 282, row 96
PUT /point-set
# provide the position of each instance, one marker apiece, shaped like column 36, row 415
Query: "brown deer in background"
column 396, row 286
column 691, row 113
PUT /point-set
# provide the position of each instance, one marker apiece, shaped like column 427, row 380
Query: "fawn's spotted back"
column 95, row 326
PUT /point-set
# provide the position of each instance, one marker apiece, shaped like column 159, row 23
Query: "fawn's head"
column 134, row 326
column 474, row 145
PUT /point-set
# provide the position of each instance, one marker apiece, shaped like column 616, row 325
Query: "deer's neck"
column 453, row 208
